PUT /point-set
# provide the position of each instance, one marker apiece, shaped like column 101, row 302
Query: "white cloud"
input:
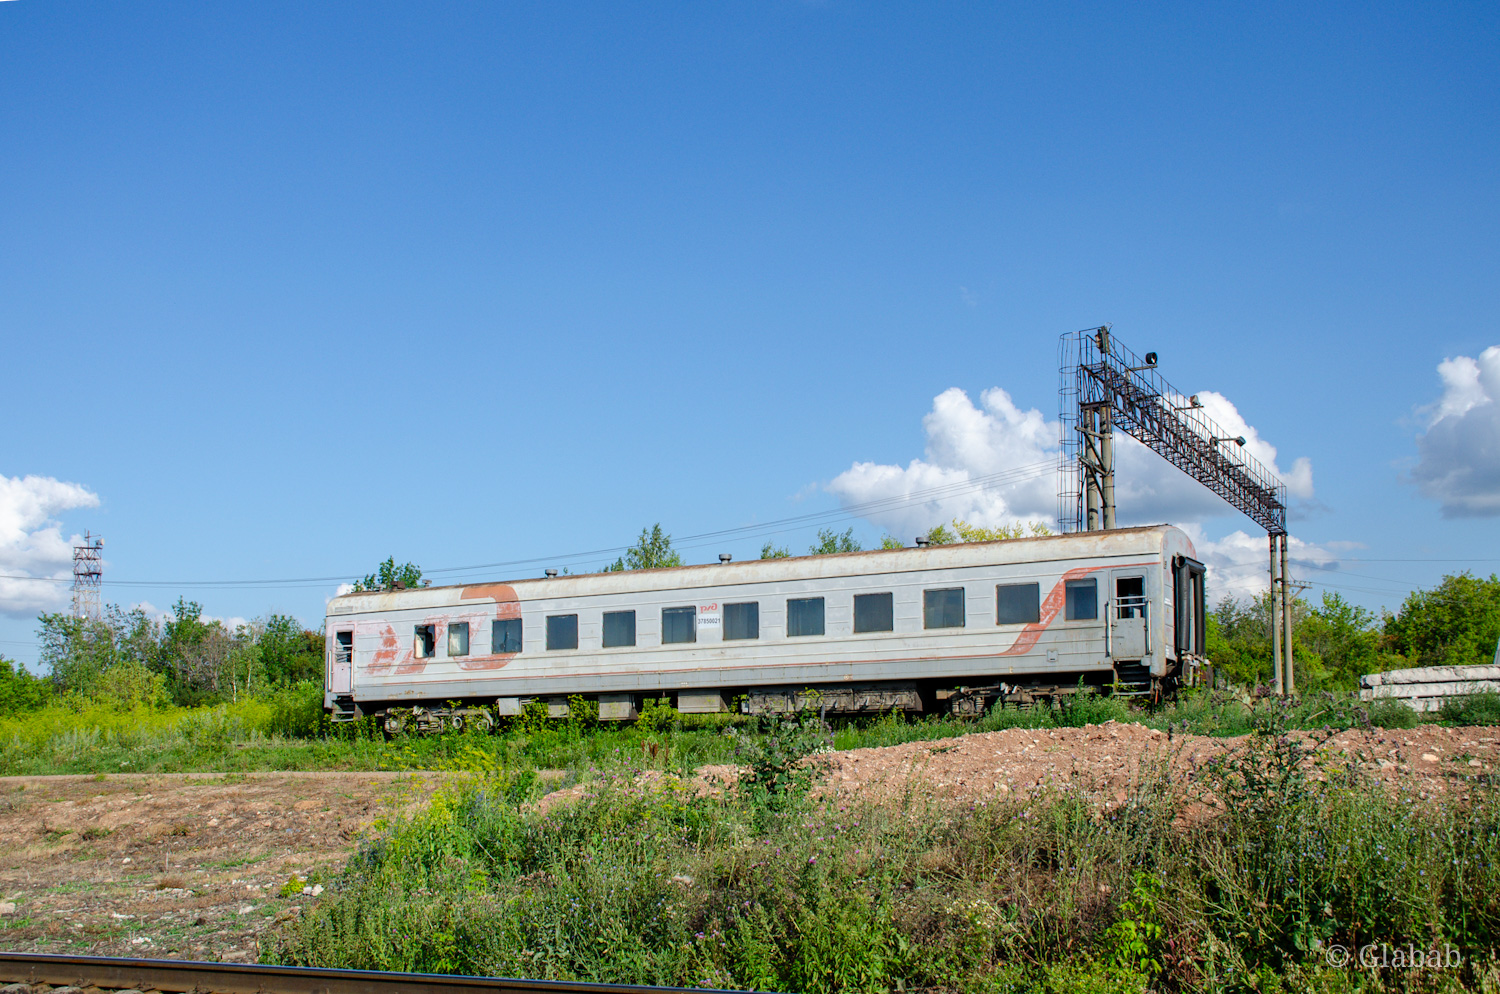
column 32, row 543
column 966, row 443
column 1239, row 563
column 1459, row 453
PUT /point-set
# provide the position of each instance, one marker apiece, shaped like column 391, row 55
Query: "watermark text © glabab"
column 1383, row 955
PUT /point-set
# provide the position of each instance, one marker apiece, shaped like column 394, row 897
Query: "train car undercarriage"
column 1127, row 679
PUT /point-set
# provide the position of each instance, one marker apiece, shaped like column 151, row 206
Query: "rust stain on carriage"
column 390, row 658
column 1056, row 597
column 507, row 607
column 384, row 660
column 507, row 604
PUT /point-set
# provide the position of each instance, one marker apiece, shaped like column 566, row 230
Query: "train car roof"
column 1041, row 548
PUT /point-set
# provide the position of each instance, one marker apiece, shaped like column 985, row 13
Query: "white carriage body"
column 1143, row 580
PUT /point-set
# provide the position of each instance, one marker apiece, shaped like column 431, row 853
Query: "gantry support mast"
column 1105, row 386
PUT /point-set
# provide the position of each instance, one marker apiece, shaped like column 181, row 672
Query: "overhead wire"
column 1003, row 478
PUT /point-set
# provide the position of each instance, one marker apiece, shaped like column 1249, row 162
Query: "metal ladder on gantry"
column 1105, row 387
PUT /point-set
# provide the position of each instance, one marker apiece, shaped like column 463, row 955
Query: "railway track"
column 107, row 973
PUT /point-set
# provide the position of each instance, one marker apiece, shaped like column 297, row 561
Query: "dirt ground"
column 198, row 866
column 1107, row 761
column 175, row 866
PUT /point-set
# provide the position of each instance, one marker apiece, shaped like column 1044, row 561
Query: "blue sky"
column 286, row 289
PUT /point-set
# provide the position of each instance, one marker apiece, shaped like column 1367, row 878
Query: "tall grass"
column 645, row 880
column 287, row 730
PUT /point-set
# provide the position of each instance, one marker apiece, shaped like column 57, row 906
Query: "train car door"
column 1129, row 618
column 341, row 663
column 1187, row 576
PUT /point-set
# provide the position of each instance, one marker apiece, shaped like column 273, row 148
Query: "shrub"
column 296, row 711
column 1003, row 716
column 1387, row 712
column 775, row 761
column 19, row 690
column 1089, row 707
column 129, row 684
column 1471, row 709
column 583, row 712
column 657, row 715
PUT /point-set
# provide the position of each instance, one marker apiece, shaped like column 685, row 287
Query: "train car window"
column 619, row 628
column 943, row 608
column 804, row 616
column 873, row 613
column 1130, row 597
column 505, row 635
column 562, row 631
column 742, row 621
column 1018, row 603
column 1082, row 600
column 343, row 647
column 458, row 638
column 424, row 645
column 679, row 624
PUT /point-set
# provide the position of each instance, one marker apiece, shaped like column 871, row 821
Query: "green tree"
column 1238, row 642
column 1456, row 623
column 769, row 551
column 389, row 576
column 1344, row 637
column 653, row 550
column 199, row 657
column 891, row 542
column 289, row 652
column 941, row 536
column 962, row 531
column 830, row 541
column 137, row 637
column 19, row 690
column 974, row 533
column 75, row 651
column 128, row 685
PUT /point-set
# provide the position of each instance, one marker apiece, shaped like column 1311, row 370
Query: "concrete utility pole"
column 1278, row 682
column 1099, row 467
column 1098, row 455
column 1289, row 594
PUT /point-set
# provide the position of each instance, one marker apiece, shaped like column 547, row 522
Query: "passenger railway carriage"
column 947, row 628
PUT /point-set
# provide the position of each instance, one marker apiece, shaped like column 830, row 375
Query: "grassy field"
column 767, row 888
column 286, row 731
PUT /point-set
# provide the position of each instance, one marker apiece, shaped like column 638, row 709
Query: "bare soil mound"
column 1109, row 760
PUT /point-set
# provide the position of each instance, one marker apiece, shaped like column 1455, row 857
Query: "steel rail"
column 119, row 973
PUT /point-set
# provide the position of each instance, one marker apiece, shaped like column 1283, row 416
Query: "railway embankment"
column 1010, row 853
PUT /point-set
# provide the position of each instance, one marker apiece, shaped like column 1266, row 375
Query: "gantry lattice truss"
column 1104, row 385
